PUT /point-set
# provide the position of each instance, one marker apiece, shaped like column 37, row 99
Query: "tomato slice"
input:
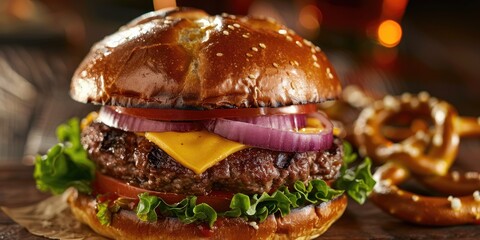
column 220, row 201
column 188, row 115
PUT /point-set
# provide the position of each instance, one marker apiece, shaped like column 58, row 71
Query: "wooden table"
column 17, row 188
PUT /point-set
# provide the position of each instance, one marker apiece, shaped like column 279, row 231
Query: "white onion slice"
column 125, row 122
column 272, row 138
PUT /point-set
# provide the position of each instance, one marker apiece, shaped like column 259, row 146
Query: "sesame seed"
column 231, row 27
column 282, row 31
column 415, row 198
column 299, row 43
column 225, row 32
column 316, row 65
column 245, row 36
column 314, row 57
column 249, row 55
column 289, row 38
column 167, row 22
column 329, row 73
column 219, row 54
column 224, row 14
column 236, row 25
column 251, row 76
column 254, row 49
column 476, row 196
column 275, row 65
column 312, row 50
column 262, row 45
column 308, row 43
column 318, row 49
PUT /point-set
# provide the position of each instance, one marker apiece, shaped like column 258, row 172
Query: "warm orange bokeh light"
column 310, row 17
column 389, row 33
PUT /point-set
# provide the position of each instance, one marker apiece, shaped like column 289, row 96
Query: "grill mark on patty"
column 155, row 158
column 134, row 159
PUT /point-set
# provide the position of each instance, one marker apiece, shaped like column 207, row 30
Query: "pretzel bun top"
column 186, row 59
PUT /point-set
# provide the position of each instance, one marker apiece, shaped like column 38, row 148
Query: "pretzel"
column 428, row 151
column 411, row 207
column 455, row 183
column 424, row 152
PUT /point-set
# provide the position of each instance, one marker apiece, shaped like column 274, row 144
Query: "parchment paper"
column 51, row 218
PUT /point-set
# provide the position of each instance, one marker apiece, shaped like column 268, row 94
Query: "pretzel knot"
column 428, row 151
column 419, row 136
column 425, row 210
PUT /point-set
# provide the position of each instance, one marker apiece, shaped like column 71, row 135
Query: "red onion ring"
column 283, row 122
column 125, row 122
column 274, row 139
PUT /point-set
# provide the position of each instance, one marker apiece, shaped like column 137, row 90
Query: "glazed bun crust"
column 186, row 59
column 303, row 223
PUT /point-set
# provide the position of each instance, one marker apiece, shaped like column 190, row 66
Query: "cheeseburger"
column 208, row 127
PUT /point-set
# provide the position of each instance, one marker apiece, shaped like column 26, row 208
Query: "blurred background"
column 384, row 46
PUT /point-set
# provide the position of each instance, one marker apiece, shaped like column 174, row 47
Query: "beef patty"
column 134, row 159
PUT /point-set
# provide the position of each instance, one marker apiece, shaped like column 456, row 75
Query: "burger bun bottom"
column 302, row 223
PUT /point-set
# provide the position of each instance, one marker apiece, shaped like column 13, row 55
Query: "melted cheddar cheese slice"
column 197, row 150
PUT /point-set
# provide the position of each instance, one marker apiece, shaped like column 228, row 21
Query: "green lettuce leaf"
column 103, row 213
column 201, row 212
column 66, row 164
column 258, row 207
column 186, row 210
column 146, row 207
column 357, row 182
